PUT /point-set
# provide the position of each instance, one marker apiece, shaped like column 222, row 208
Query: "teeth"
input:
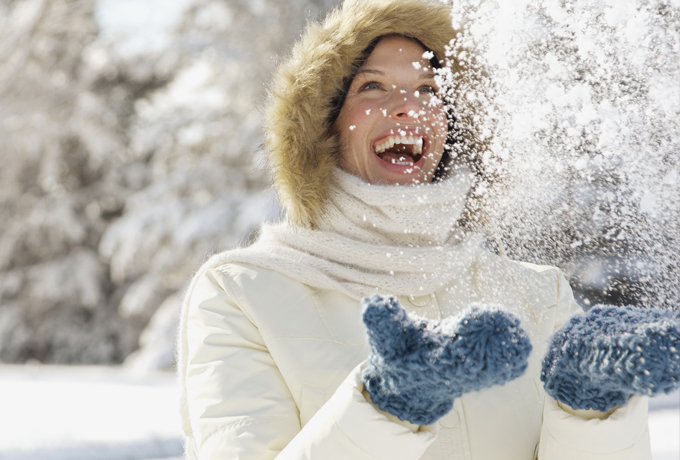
column 389, row 142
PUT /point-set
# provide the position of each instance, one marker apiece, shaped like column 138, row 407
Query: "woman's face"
column 391, row 128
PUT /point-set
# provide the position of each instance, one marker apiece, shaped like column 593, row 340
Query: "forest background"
column 131, row 149
column 130, row 136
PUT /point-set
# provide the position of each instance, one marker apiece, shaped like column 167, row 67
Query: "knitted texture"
column 390, row 238
column 600, row 359
column 418, row 367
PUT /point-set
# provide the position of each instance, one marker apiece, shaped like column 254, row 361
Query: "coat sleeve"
column 241, row 408
column 567, row 434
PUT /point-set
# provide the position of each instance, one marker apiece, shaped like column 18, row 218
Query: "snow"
column 584, row 93
column 664, row 430
column 108, row 413
column 102, row 413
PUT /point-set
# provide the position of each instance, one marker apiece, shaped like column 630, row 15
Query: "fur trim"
column 302, row 151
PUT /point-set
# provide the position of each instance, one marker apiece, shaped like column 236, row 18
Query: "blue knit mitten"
column 418, row 367
column 600, row 359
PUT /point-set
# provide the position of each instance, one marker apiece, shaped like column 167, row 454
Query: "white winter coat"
column 273, row 371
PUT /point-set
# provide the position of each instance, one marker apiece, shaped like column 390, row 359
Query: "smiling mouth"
column 400, row 150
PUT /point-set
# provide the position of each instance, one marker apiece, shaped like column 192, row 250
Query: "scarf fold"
column 400, row 240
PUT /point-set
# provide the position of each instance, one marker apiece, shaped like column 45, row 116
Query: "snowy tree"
column 129, row 155
column 61, row 131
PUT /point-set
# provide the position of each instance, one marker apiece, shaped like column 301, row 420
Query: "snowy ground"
column 89, row 413
column 100, row 413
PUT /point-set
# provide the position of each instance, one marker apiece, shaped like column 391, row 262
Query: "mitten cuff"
column 587, row 414
column 371, row 429
column 624, row 429
column 392, row 418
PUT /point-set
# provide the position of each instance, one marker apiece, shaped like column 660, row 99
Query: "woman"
column 272, row 353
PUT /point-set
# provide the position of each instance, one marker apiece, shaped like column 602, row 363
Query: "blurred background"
column 130, row 150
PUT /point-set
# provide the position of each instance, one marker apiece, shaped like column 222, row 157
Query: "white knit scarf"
column 400, row 240
column 389, row 239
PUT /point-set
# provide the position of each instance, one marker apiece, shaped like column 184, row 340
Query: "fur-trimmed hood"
column 302, row 150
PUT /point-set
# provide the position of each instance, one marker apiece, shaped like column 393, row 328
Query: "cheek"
column 358, row 125
column 353, row 137
column 352, row 119
column 440, row 131
column 439, row 124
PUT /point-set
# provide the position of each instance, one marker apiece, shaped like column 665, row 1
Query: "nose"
column 404, row 105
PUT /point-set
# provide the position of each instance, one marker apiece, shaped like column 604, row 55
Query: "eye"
column 427, row 89
column 370, row 85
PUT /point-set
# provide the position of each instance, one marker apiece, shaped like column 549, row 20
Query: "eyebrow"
column 372, row 71
column 422, row 76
